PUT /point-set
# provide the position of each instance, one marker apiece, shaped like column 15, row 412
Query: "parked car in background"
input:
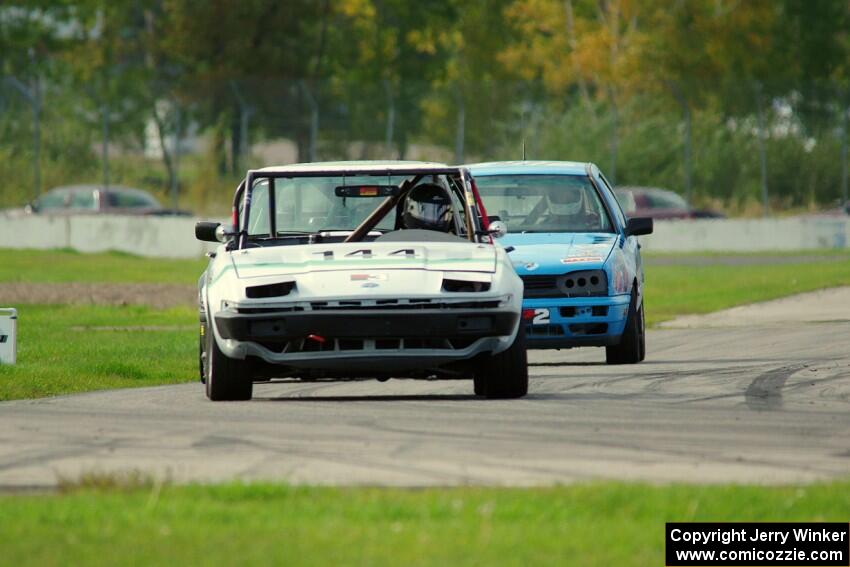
column 658, row 203
column 575, row 251
column 97, row 199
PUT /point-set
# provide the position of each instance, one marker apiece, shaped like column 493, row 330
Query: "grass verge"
column 58, row 266
column 65, row 349
column 585, row 524
column 683, row 290
column 60, row 353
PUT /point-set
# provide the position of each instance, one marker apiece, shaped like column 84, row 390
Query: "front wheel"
column 632, row 347
column 223, row 379
column 504, row 375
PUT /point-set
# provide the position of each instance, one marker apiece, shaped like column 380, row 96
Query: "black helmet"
column 427, row 207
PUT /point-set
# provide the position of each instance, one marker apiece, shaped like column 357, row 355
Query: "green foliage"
column 611, row 82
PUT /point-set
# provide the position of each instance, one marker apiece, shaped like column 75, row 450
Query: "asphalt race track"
column 765, row 405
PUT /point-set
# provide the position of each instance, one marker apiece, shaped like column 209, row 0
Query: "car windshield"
column 544, row 203
column 309, row 204
column 319, row 204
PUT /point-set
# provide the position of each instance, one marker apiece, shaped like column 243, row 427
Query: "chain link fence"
column 769, row 150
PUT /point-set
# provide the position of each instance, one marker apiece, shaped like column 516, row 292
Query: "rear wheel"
column 632, row 347
column 504, row 375
column 225, row 377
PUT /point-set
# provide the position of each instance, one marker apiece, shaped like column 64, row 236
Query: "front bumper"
column 357, row 324
column 575, row 322
column 363, row 341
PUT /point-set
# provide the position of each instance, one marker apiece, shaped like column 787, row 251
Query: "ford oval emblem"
column 370, row 284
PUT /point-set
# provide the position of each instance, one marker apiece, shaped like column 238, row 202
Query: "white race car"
column 359, row 270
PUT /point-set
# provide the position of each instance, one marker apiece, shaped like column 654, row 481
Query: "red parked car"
column 659, row 204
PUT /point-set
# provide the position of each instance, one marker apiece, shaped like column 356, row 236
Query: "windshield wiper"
column 285, row 233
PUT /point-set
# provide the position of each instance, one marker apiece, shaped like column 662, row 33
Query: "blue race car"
column 575, row 251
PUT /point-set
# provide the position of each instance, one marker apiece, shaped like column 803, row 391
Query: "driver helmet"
column 565, row 201
column 427, row 207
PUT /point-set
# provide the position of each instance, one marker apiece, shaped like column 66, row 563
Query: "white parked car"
column 359, row 270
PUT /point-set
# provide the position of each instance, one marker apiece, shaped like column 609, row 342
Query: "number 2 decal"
column 541, row 317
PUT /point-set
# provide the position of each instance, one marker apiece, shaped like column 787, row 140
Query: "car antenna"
column 523, row 149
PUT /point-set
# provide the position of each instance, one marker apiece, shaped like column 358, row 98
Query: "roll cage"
column 473, row 224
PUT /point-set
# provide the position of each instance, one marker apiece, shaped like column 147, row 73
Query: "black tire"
column 504, row 375
column 224, row 381
column 632, row 347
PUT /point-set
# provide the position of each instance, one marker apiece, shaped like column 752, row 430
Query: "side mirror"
column 207, row 231
column 497, row 228
column 639, row 226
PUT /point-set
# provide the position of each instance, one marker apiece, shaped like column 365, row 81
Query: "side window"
column 82, row 200
column 618, row 210
column 258, row 221
column 52, row 201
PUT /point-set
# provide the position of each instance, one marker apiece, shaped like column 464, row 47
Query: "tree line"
column 717, row 99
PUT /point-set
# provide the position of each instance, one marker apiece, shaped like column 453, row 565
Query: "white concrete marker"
column 8, row 332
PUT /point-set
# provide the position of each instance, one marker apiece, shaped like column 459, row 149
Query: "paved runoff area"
column 759, row 394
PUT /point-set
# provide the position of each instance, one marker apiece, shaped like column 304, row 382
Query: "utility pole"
column 314, row 121
column 390, row 126
column 104, row 113
column 461, row 127
column 844, row 197
column 762, row 150
column 175, row 178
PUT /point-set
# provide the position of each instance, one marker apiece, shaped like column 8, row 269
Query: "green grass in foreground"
column 53, row 266
column 61, row 350
column 585, row 524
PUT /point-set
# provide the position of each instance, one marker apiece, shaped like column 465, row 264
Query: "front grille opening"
column 394, row 304
column 460, row 344
column 318, row 346
column 424, row 343
column 568, row 311
column 350, row 344
column 461, row 286
column 544, row 331
column 581, row 283
column 599, row 310
column 257, row 310
column 589, row 328
column 270, row 290
column 387, row 344
column 475, row 324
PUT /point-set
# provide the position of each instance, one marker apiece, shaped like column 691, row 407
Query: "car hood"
column 558, row 252
column 431, row 256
